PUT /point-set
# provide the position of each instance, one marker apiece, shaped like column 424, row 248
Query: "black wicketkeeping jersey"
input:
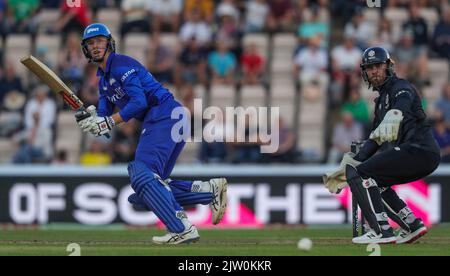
column 415, row 129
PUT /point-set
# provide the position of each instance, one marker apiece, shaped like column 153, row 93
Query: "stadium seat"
column 283, row 96
column 310, row 141
column 135, row 46
column 253, row 95
column 312, row 120
column 431, row 94
column 8, row 149
column 284, row 46
column 438, row 71
column 47, row 18
column 397, row 16
column 68, row 136
column 52, row 44
column 200, row 92
column 18, row 46
column 110, row 17
column 223, row 96
column 171, row 41
column 282, row 79
column 372, row 15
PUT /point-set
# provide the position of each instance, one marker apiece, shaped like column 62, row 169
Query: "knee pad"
column 141, row 176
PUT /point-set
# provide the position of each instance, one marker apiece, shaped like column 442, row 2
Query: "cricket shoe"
column 371, row 237
column 218, row 204
column 417, row 230
column 188, row 236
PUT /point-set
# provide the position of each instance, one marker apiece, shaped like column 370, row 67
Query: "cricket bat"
column 47, row 76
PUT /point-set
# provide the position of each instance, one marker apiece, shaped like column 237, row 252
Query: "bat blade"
column 47, row 76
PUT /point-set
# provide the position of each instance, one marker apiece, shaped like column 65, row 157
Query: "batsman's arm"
column 117, row 118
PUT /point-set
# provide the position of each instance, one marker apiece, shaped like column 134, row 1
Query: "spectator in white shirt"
column 256, row 15
column 197, row 29
column 44, row 106
column 166, row 13
column 345, row 60
column 35, row 144
column 228, row 8
column 359, row 28
column 311, row 64
column 135, row 16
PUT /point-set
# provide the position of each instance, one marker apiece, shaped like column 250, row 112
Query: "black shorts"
column 399, row 165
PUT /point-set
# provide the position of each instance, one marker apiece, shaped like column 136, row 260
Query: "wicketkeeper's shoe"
column 188, row 236
column 386, row 236
column 218, row 204
column 417, row 230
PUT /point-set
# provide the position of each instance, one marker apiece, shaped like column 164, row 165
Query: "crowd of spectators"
column 331, row 37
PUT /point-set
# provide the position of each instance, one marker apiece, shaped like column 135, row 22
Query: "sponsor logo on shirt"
column 125, row 76
column 119, row 94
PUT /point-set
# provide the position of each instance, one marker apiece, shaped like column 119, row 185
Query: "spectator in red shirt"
column 73, row 19
column 252, row 65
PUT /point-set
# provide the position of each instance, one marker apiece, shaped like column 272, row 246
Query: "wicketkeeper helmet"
column 376, row 55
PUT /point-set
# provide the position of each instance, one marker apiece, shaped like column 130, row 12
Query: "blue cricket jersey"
column 129, row 86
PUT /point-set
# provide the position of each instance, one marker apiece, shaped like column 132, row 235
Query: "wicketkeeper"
column 126, row 84
column 408, row 152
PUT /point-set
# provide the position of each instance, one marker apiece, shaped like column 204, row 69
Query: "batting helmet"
column 95, row 30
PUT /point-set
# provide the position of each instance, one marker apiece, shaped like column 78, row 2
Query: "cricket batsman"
column 408, row 152
column 126, row 84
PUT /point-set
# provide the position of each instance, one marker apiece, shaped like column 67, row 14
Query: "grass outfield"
column 214, row 242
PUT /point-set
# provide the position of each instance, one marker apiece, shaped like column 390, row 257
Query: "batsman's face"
column 97, row 46
column 376, row 73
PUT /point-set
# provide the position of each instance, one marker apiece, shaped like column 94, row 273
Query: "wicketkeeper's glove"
column 336, row 181
column 388, row 129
